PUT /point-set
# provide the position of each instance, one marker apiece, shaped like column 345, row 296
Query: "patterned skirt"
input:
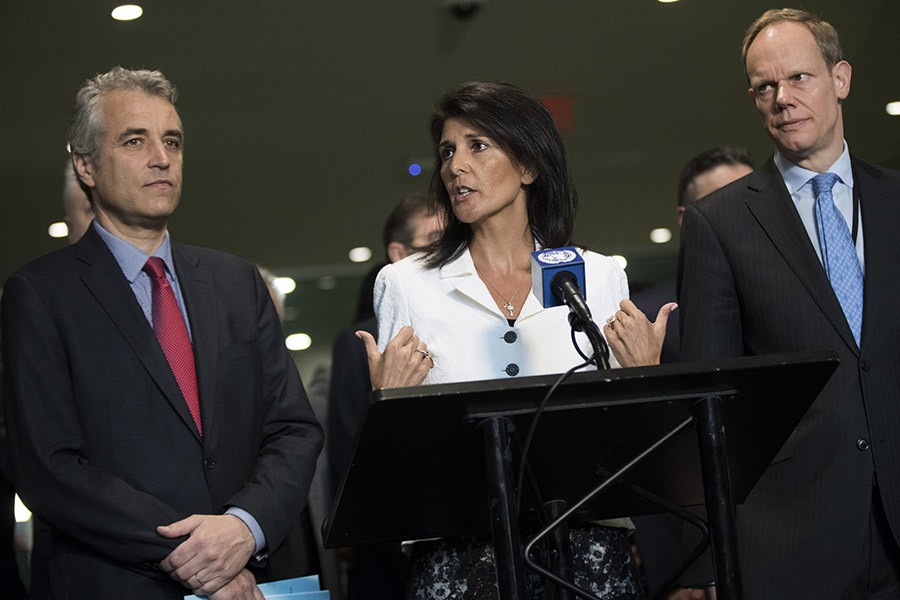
column 463, row 568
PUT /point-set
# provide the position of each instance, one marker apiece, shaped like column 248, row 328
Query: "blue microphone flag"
column 547, row 263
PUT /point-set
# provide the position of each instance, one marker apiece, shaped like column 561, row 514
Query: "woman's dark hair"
column 523, row 128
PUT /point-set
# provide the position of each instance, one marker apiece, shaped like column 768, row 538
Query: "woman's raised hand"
column 633, row 339
column 404, row 362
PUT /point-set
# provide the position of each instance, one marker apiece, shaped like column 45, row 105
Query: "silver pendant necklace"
column 508, row 305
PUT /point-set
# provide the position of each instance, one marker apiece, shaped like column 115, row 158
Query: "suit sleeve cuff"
column 258, row 536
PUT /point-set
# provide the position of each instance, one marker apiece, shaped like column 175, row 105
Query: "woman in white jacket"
column 463, row 309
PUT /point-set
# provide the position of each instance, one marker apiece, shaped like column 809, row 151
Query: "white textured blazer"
column 452, row 311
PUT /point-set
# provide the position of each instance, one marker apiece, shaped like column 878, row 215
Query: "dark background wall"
column 302, row 117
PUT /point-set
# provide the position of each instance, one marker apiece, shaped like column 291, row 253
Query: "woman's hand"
column 404, row 362
column 633, row 339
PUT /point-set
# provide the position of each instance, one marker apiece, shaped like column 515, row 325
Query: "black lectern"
column 434, row 461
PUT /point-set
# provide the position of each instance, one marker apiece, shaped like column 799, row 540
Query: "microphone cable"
column 526, row 445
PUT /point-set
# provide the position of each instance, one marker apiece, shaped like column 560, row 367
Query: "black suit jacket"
column 750, row 283
column 102, row 445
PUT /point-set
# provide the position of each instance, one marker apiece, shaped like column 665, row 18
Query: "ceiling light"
column 298, row 341
column 661, row 235
column 893, row 108
column 127, row 12
column 623, row 262
column 58, row 230
column 360, row 254
column 285, row 285
column 326, row 282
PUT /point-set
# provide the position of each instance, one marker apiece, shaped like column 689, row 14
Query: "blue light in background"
column 415, row 169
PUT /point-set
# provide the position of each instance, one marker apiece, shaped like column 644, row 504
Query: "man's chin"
column 153, row 221
column 791, row 148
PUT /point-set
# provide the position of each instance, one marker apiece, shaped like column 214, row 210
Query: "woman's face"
column 481, row 179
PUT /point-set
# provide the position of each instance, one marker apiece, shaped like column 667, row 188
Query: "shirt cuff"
column 258, row 535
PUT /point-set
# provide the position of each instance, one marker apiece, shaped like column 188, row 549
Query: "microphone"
column 564, row 285
column 557, row 278
column 545, row 264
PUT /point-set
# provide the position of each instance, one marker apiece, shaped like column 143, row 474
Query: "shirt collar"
column 132, row 259
column 795, row 176
column 460, row 266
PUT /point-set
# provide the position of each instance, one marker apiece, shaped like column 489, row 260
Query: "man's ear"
column 396, row 251
column 84, row 168
column 840, row 74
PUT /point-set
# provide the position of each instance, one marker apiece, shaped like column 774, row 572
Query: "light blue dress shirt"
column 797, row 180
column 132, row 259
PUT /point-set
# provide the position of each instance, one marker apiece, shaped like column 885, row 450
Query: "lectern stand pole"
column 501, row 498
column 717, row 490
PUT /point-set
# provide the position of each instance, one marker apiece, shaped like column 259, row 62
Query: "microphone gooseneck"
column 564, row 285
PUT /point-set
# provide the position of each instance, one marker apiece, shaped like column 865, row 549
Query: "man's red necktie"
column 172, row 334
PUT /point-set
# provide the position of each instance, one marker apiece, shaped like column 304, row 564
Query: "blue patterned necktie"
column 839, row 252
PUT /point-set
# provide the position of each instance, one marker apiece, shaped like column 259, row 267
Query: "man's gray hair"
column 87, row 126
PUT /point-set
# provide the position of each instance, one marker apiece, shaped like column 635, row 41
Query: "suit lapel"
column 199, row 299
column 112, row 291
column 771, row 205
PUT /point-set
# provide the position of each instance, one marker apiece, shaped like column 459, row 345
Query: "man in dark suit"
column 153, row 467
column 754, row 278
